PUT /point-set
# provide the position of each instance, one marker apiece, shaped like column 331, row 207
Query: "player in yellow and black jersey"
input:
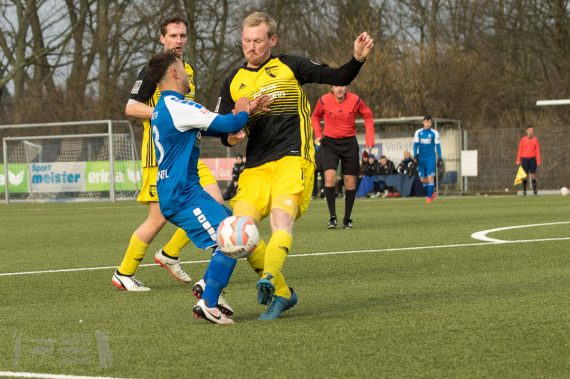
column 278, row 175
column 142, row 100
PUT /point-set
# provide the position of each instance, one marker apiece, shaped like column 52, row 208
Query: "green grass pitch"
column 376, row 306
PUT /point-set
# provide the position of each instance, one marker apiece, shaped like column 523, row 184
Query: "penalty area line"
column 386, row 250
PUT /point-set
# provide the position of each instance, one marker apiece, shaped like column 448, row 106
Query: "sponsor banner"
column 57, row 177
column 220, row 167
column 127, row 176
column 17, row 177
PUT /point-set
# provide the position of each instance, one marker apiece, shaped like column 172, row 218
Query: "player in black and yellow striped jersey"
column 278, row 176
column 143, row 98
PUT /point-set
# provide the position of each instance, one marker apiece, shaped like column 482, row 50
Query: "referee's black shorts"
column 529, row 165
column 344, row 150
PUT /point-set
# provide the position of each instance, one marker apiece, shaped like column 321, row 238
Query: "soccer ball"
column 237, row 237
column 564, row 191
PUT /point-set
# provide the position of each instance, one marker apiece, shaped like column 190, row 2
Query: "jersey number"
column 158, row 145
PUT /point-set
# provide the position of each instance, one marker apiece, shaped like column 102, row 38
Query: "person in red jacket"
column 338, row 143
column 529, row 157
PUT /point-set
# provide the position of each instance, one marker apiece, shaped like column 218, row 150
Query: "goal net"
column 71, row 167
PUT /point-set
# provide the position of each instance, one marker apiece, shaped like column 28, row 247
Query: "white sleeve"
column 417, row 136
column 436, row 137
column 188, row 115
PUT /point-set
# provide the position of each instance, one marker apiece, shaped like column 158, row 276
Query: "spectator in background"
column 529, row 157
column 239, row 165
column 408, row 166
column 338, row 143
column 371, row 167
column 385, row 167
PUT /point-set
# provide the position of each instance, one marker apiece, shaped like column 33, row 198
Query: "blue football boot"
column 279, row 305
column 265, row 291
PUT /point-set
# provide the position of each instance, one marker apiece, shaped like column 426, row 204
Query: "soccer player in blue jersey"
column 426, row 144
column 177, row 127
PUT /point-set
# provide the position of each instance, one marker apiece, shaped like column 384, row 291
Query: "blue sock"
column 424, row 185
column 218, row 275
column 430, row 187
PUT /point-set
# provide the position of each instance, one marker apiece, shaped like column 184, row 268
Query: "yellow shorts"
column 148, row 192
column 285, row 184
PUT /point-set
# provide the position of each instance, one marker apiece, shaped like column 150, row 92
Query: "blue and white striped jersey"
column 177, row 128
column 426, row 142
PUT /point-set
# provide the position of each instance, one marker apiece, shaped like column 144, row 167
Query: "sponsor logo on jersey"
column 272, row 71
column 242, row 86
column 162, row 174
column 136, row 87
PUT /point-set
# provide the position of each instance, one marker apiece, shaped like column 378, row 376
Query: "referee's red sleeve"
column 368, row 117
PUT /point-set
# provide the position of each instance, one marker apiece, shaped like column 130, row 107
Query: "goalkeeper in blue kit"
column 177, row 127
column 426, row 144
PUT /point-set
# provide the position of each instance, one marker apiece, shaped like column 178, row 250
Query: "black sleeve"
column 226, row 103
column 143, row 88
column 307, row 71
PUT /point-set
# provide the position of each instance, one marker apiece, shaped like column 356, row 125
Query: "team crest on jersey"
column 272, row 71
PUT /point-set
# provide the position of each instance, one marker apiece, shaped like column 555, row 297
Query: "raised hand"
column 363, row 46
column 242, row 105
column 261, row 104
column 236, row 137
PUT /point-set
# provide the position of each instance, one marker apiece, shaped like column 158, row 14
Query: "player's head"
column 166, row 70
column 530, row 131
column 339, row 92
column 258, row 36
column 173, row 34
column 427, row 122
column 239, row 158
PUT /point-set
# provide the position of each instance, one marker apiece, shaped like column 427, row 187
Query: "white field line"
column 482, row 235
column 15, row 374
column 411, row 248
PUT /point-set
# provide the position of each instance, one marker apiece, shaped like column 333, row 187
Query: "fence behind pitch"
column 497, row 154
column 90, row 160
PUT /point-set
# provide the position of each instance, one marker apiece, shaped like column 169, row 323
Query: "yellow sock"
column 133, row 256
column 178, row 240
column 257, row 260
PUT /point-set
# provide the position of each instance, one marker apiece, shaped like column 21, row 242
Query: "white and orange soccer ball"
column 564, row 191
column 237, row 237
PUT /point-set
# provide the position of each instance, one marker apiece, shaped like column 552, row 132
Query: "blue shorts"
column 426, row 167
column 200, row 220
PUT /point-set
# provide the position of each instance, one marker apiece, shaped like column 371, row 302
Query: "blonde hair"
column 258, row 18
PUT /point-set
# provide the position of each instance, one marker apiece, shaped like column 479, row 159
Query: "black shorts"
column 529, row 165
column 344, row 150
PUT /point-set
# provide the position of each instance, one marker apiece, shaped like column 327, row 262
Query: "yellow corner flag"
column 521, row 175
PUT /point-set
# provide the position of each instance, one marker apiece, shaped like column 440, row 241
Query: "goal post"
column 98, row 162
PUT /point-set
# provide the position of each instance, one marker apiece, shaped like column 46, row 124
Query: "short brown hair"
column 177, row 19
column 258, row 18
column 159, row 64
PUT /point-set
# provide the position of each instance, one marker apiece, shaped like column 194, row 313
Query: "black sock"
column 349, row 203
column 534, row 185
column 168, row 256
column 330, row 195
column 525, row 182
